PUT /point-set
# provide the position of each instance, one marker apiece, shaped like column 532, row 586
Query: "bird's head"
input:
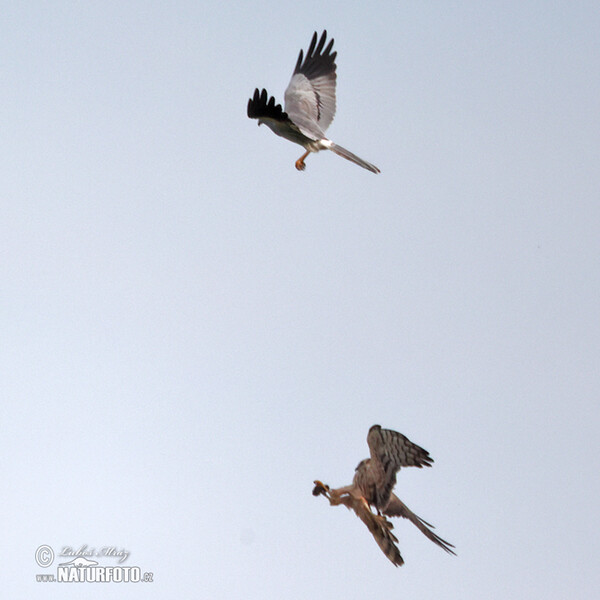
column 363, row 463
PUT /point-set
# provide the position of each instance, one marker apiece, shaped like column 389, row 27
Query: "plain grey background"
column 193, row 331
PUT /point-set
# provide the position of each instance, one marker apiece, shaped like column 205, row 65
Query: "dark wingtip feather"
column 318, row 62
column 261, row 106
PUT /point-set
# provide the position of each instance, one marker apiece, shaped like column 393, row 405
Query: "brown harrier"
column 372, row 486
column 309, row 104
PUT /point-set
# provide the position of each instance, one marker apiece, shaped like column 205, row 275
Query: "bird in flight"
column 372, row 486
column 309, row 104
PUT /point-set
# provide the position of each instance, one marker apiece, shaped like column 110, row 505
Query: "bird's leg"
column 300, row 162
column 385, row 523
column 379, row 516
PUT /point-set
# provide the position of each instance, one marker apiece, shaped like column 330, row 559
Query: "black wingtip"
column 261, row 106
column 319, row 60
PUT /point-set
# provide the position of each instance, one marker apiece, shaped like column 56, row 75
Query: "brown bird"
column 372, row 486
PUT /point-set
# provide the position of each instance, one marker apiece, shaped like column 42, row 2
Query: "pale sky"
column 193, row 331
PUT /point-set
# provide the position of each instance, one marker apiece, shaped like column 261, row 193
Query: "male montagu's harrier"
column 309, row 104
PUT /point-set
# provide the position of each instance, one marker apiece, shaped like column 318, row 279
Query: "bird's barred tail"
column 397, row 508
column 355, row 159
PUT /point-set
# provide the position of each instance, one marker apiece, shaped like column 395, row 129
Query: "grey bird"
column 309, row 104
column 372, row 486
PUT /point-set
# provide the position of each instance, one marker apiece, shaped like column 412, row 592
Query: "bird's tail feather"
column 355, row 159
column 397, row 508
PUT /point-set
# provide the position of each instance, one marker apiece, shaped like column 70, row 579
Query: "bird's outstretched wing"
column 378, row 525
column 390, row 451
column 397, row 508
column 310, row 95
